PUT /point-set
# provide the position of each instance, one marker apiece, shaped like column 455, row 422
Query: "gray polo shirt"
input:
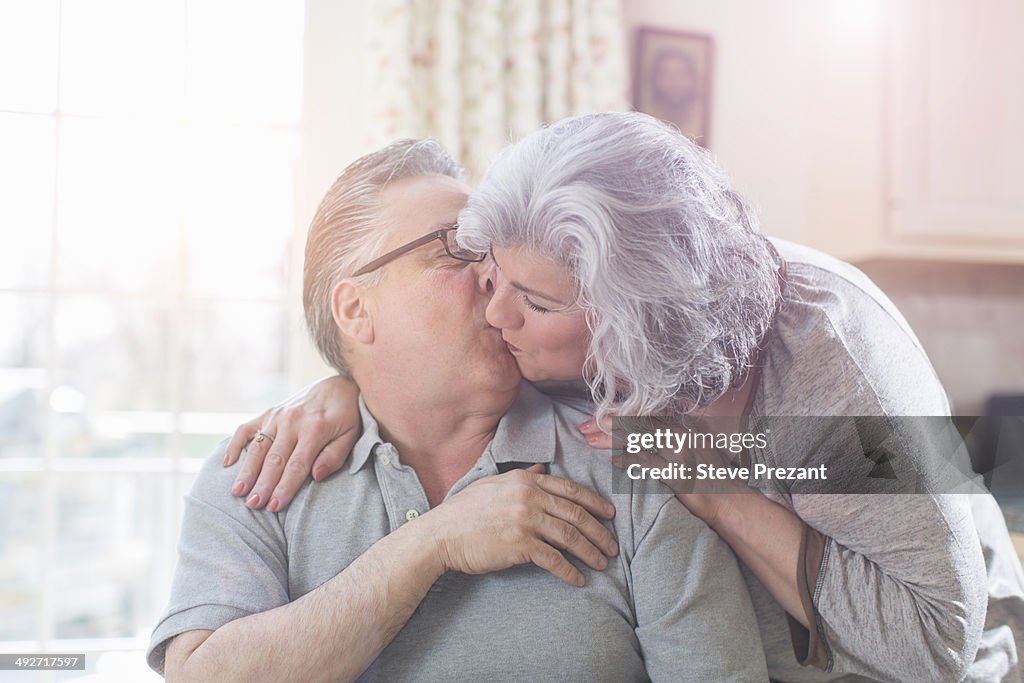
column 671, row 606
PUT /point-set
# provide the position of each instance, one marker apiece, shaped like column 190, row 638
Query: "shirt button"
column 384, row 459
column 411, row 515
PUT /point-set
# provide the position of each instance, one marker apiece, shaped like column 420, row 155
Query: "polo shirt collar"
column 526, row 434
column 363, row 449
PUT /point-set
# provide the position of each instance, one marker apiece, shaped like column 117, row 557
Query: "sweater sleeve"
column 901, row 591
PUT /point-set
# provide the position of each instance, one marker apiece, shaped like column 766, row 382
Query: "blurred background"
column 160, row 160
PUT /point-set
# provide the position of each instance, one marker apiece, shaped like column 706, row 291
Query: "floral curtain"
column 478, row 73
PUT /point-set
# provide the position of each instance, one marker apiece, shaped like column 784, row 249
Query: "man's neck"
column 440, row 439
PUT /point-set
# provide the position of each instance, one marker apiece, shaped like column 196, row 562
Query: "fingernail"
column 225, row 461
column 591, row 440
column 273, row 505
column 319, row 472
column 613, row 549
column 585, row 426
column 253, row 500
column 238, row 488
column 602, row 562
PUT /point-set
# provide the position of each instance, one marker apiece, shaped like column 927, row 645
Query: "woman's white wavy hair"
column 678, row 284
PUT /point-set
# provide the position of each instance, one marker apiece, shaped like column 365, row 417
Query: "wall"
column 968, row 318
column 796, row 112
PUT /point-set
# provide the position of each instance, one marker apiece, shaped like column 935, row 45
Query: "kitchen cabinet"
column 954, row 130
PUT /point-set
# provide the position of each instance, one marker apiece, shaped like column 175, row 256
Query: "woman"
column 622, row 255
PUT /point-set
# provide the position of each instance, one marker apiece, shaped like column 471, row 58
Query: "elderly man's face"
column 428, row 309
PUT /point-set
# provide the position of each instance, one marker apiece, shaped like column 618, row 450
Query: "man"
column 414, row 561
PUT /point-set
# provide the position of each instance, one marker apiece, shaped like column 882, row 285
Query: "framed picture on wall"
column 672, row 80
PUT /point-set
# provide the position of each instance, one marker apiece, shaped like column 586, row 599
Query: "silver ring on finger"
column 261, row 435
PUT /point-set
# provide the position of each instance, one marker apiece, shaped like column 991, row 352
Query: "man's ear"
column 350, row 312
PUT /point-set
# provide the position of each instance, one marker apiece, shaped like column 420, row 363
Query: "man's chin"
column 503, row 371
column 506, row 367
column 511, row 371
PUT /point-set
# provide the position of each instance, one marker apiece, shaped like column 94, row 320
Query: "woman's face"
column 534, row 306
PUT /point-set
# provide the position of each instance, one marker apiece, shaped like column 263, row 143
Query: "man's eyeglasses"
column 447, row 236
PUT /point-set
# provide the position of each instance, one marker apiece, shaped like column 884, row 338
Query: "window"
column 147, row 214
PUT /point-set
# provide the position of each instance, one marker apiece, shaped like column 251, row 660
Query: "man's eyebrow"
column 429, row 254
column 527, row 290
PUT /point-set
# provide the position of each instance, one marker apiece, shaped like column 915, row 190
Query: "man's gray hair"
column 678, row 284
column 347, row 231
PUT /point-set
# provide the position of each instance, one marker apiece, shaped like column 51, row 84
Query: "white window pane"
column 26, row 198
column 245, row 60
column 240, row 210
column 112, row 534
column 23, row 377
column 22, row 408
column 28, row 54
column 235, row 358
column 122, row 56
column 23, row 335
column 110, row 398
column 118, row 205
column 20, row 557
column 114, row 352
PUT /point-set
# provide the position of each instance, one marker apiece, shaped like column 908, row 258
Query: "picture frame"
column 672, row 78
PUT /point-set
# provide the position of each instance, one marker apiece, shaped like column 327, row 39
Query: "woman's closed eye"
column 534, row 307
